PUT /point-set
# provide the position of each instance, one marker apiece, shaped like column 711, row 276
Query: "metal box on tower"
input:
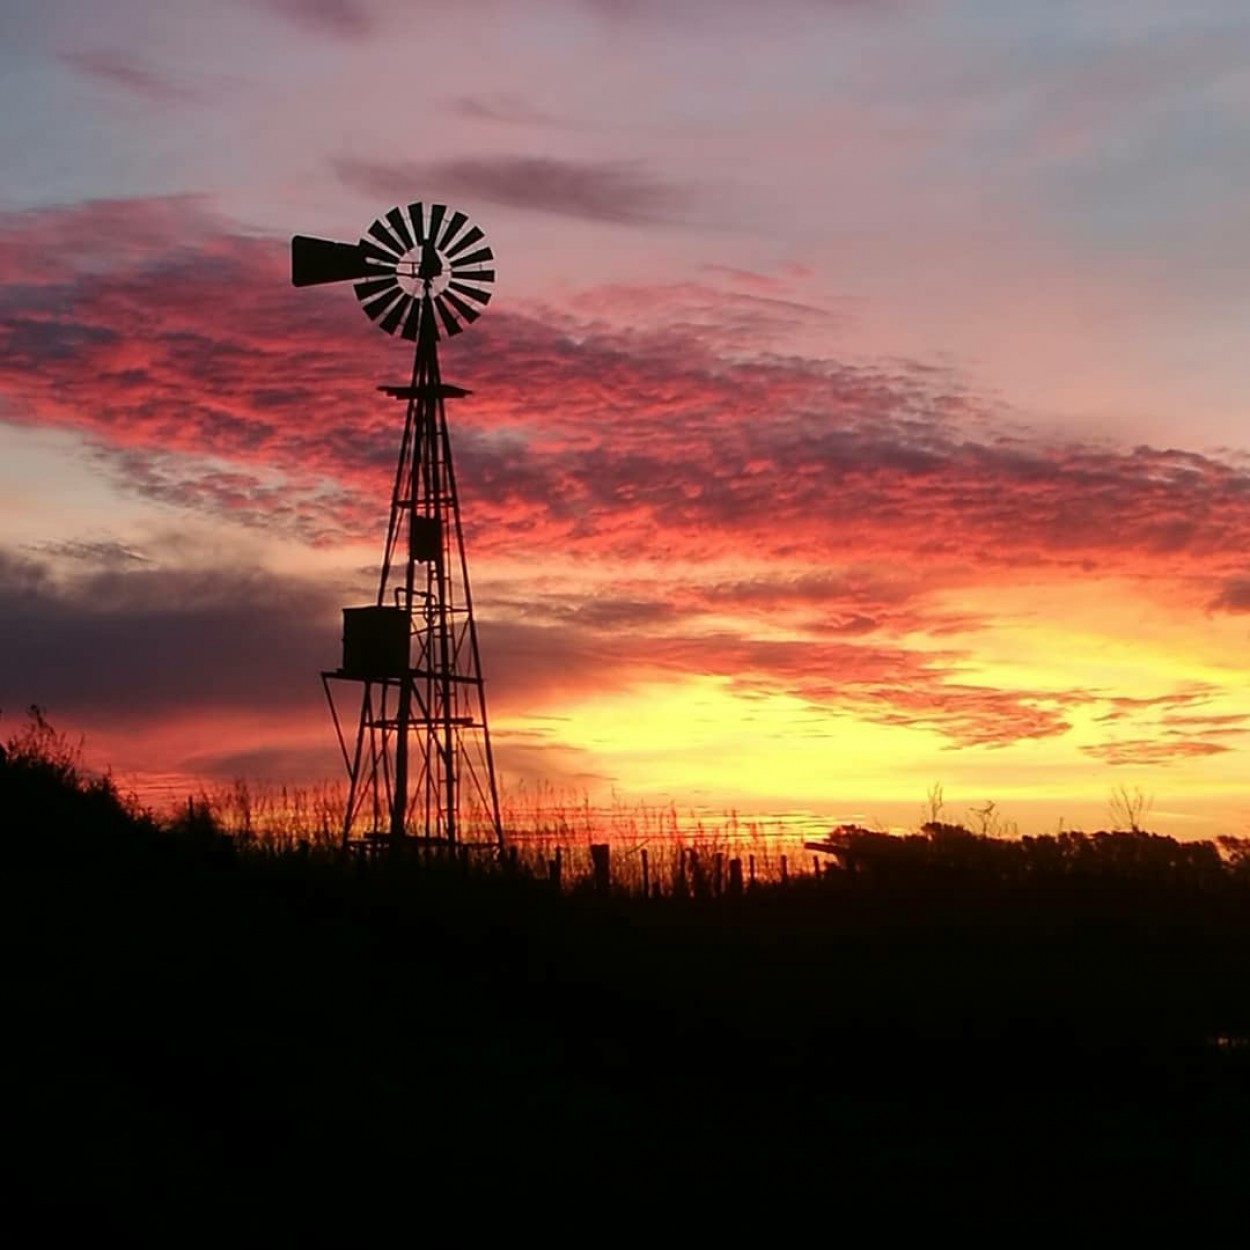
column 375, row 643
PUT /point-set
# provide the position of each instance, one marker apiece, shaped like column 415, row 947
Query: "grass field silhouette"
column 227, row 1032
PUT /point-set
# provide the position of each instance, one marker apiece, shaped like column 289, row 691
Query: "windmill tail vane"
column 419, row 757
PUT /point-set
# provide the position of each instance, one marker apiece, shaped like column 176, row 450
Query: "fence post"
column 751, row 869
column 646, row 876
column 718, row 874
column 816, row 867
column 785, row 870
column 553, row 869
column 735, row 877
column 600, row 858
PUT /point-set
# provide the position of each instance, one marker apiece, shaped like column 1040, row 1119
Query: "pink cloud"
column 601, row 438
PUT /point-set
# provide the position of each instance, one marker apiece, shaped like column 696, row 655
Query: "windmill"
column 419, row 762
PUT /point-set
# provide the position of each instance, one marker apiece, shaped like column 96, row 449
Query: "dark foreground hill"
column 206, row 1039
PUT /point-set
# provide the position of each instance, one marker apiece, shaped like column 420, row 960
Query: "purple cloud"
column 122, row 71
column 611, row 191
column 344, row 19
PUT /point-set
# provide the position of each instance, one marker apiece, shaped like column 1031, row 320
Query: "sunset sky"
column 861, row 405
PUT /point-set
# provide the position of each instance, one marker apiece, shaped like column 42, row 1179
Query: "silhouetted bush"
column 941, row 851
column 43, row 786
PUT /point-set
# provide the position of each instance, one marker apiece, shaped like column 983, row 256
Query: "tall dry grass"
column 546, row 832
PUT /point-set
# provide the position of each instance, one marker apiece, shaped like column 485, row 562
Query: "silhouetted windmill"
column 420, row 763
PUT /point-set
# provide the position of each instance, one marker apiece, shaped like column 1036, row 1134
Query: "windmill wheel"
column 430, row 262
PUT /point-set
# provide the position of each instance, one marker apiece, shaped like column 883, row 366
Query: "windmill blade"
column 437, row 211
column 317, row 261
column 466, row 240
column 483, row 253
column 379, row 258
column 416, row 215
column 396, row 218
column 390, row 323
column 376, row 307
column 453, row 326
column 467, row 311
column 474, row 275
column 375, row 286
column 482, row 297
column 454, row 226
column 387, row 239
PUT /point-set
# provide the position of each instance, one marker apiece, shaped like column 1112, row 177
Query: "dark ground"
column 205, row 1040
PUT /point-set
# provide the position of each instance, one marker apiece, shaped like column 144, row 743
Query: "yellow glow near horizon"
column 1089, row 646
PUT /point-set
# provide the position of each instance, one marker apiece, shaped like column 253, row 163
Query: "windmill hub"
column 421, row 266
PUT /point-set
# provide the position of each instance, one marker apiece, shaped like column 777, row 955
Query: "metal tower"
column 420, row 762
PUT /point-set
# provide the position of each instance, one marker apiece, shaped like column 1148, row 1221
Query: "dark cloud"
column 119, row 70
column 532, row 667
column 268, row 763
column 133, row 642
column 697, row 12
column 610, row 191
column 715, row 318
column 536, row 764
column 504, row 108
column 857, row 600
column 102, row 553
column 344, row 19
column 1234, row 596
column 300, row 506
column 606, row 613
column 122, row 645
column 747, row 277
